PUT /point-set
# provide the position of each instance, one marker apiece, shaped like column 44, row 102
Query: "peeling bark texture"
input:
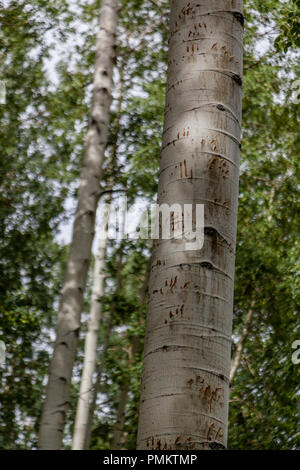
column 91, row 341
column 68, row 323
column 236, row 360
column 185, row 380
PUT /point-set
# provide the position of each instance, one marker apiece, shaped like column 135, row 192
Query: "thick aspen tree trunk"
column 68, row 323
column 185, row 380
column 91, row 341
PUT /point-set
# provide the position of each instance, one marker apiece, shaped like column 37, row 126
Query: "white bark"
column 185, row 380
column 68, row 323
column 91, row 341
column 98, row 382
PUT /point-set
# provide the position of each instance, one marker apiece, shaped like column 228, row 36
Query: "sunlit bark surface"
column 185, row 380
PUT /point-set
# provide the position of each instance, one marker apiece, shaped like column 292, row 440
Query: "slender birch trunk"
column 97, row 386
column 237, row 357
column 91, row 341
column 68, row 322
column 185, row 380
column 98, row 382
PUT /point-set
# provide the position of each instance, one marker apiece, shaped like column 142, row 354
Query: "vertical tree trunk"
column 237, row 357
column 185, row 381
column 122, row 401
column 123, row 397
column 120, row 421
column 68, row 323
column 101, row 364
column 91, row 341
column 98, row 382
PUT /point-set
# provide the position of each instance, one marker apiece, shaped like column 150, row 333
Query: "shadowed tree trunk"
column 68, row 322
column 123, row 396
column 185, row 380
column 117, row 443
column 237, row 357
column 101, row 362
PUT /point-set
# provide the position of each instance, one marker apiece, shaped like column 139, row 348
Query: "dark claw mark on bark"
column 210, row 231
column 76, row 332
column 240, row 17
column 222, row 377
column 237, row 79
column 96, row 124
column 217, row 446
column 206, row 265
